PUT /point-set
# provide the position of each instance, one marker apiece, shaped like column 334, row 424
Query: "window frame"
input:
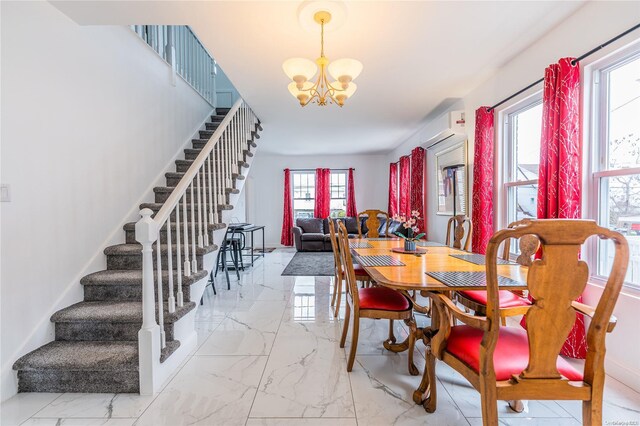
column 509, row 161
column 596, row 144
column 293, row 190
column 338, row 172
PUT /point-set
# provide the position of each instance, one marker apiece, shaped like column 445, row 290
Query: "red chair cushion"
column 359, row 271
column 510, row 357
column 382, row 298
column 507, row 298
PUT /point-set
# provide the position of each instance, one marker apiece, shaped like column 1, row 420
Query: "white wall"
column 266, row 183
column 90, row 122
column 591, row 25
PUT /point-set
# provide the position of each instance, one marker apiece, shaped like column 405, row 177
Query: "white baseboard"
column 622, row 373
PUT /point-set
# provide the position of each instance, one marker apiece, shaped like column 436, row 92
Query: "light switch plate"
column 5, row 195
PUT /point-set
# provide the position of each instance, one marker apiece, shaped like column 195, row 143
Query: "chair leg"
column 392, row 337
column 413, row 329
column 226, row 270
column 354, row 341
column 338, row 290
column 489, row 404
column 218, row 262
column 592, row 410
column 234, row 258
column 503, row 319
column 345, row 326
column 335, row 286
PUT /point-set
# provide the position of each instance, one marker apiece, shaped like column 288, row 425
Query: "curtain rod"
column 313, row 170
column 578, row 59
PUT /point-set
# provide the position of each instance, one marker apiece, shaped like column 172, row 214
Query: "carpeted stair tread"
column 171, row 347
column 114, row 312
column 237, row 176
column 232, row 191
column 247, row 153
column 169, row 190
column 134, row 277
column 82, row 355
column 157, row 206
column 131, row 226
column 218, row 117
column 136, row 249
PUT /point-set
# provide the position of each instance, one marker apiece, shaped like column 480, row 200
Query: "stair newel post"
column 209, row 175
column 205, row 217
column 194, row 261
column 187, row 264
column 148, row 336
column 178, row 256
column 200, row 201
column 172, row 300
column 163, row 342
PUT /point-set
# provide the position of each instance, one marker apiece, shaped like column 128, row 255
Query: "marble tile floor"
column 268, row 354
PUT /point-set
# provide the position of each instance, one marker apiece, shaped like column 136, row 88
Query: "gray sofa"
column 312, row 234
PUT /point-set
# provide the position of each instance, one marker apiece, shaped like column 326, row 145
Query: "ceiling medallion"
column 322, row 92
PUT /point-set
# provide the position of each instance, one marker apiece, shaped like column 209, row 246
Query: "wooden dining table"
column 412, row 279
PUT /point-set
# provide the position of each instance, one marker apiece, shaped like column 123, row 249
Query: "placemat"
column 429, row 244
column 379, row 260
column 380, row 239
column 360, row 245
column 479, row 259
column 471, row 279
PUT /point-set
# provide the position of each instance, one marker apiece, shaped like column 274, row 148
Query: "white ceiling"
column 415, row 55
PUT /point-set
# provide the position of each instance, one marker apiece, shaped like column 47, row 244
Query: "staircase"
column 97, row 347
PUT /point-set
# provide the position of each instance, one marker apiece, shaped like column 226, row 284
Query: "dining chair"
column 361, row 275
column 511, row 363
column 455, row 227
column 372, row 223
column 371, row 302
column 511, row 302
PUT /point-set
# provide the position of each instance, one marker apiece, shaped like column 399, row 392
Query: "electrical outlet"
column 5, row 195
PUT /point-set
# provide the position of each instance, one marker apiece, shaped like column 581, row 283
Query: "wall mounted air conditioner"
column 455, row 132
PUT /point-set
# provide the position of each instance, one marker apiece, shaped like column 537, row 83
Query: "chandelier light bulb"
column 302, row 92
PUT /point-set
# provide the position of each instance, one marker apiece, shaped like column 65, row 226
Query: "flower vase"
column 409, row 245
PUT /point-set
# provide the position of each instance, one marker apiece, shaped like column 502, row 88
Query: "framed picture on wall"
column 451, row 171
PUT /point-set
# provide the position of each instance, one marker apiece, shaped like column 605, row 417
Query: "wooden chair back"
column 347, row 264
column 373, row 222
column 555, row 281
column 335, row 248
column 455, row 227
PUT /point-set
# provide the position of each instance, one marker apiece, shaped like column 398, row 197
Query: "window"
column 523, row 128
column 616, row 160
column 338, row 185
column 304, row 194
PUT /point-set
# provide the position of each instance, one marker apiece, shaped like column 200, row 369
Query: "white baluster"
column 205, row 218
column 172, row 300
column 199, row 195
column 187, row 264
column 212, row 207
column 163, row 341
column 194, row 261
column 148, row 336
column 178, row 256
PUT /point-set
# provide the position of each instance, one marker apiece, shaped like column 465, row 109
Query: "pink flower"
column 412, row 221
column 415, row 213
column 415, row 229
column 406, row 225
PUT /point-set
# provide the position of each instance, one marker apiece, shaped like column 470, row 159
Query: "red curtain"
column 482, row 204
column 417, row 186
column 404, row 207
column 560, row 176
column 393, row 189
column 323, row 193
column 286, row 237
column 352, row 211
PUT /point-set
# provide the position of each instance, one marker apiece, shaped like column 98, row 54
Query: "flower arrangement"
column 410, row 225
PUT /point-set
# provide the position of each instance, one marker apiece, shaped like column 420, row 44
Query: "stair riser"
column 182, row 166
column 129, row 262
column 103, row 331
column 132, row 293
column 161, row 197
column 81, row 381
column 199, row 144
column 173, row 214
column 130, row 236
column 214, row 125
column 190, row 155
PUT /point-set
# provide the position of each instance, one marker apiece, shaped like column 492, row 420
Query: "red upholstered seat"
column 510, row 357
column 382, row 298
column 507, row 298
column 359, row 271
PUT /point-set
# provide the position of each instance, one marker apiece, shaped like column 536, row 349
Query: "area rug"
column 310, row 264
column 266, row 250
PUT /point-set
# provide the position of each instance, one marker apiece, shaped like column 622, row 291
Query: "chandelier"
column 322, row 92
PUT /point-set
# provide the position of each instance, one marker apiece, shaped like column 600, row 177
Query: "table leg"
column 415, row 334
column 252, row 249
column 425, row 395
